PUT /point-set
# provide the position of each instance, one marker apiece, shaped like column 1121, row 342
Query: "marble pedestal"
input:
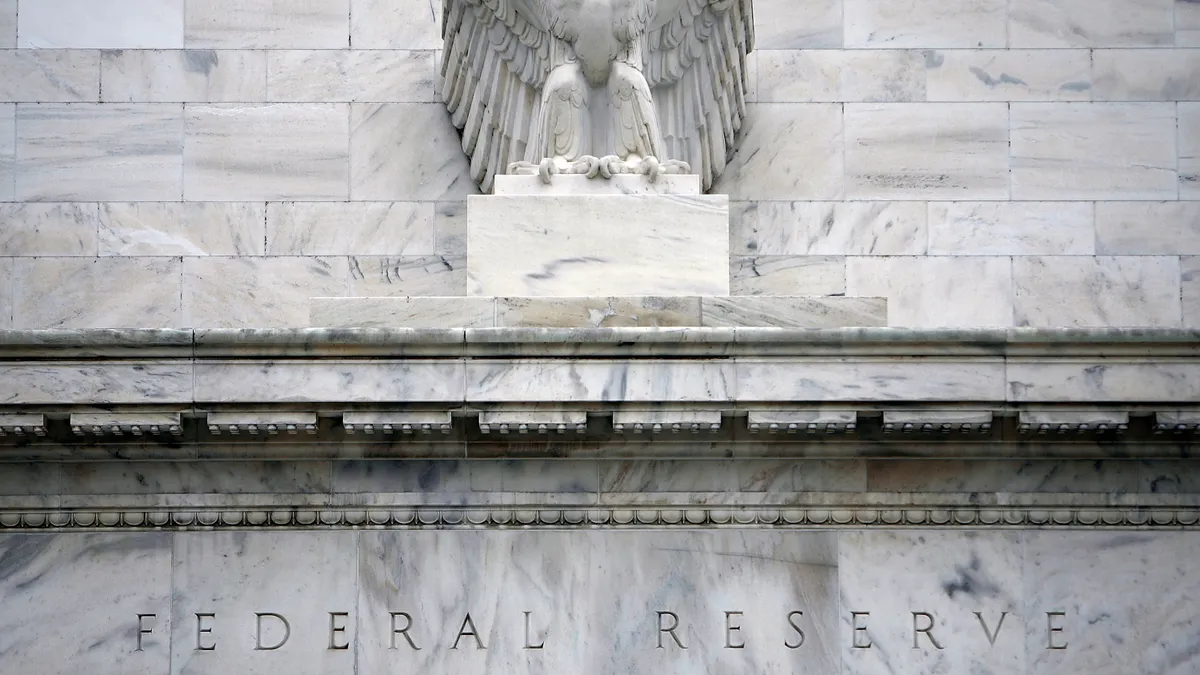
column 580, row 237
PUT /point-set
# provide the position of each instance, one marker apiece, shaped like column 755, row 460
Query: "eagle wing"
column 695, row 62
column 495, row 60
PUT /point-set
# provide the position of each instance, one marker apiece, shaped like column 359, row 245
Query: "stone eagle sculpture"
column 596, row 87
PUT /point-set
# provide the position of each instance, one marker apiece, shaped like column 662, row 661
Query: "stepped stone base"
column 598, row 312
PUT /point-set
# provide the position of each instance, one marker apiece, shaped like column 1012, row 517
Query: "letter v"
column 990, row 635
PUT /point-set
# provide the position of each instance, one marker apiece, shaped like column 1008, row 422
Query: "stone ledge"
column 599, row 312
column 633, row 342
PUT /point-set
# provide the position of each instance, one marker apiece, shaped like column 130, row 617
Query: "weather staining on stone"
column 596, row 87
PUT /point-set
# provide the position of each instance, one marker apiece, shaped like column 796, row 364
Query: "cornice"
column 575, row 342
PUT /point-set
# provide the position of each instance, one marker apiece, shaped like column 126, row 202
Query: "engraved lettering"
column 999, row 624
column 258, row 626
column 791, row 618
column 927, row 630
column 201, row 630
column 403, row 631
column 142, row 630
column 1051, row 629
column 473, row 633
column 856, row 628
column 669, row 629
column 334, row 629
column 529, row 645
column 730, row 629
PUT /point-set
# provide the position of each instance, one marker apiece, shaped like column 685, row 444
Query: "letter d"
column 258, row 625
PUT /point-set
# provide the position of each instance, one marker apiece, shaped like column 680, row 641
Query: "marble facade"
column 916, row 389
column 886, row 142
column 775, row 602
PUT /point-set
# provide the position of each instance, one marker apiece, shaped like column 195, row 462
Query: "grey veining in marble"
column 181, row 228
column 1147, row 74
column 787, row 152
column 599, row 312
column 793, row 312
column 81, row 152
column 1008, row 75
column 1091, row 23
column 787, row 275
column 600, row 611
column 371, row 228
column 148, row 382
column 932, row 380
column 782, row 24
column 406, row 151
column 101, row 24
column 86, row 292
column 106, row 581
column 1094, row 151
column 282, row 151
column 1147, row 228
column 598, row 380
column 403, row 312
column 267, row 24
column 383, row 24
column 373, row 76
column 194, row 478
column 829, row 75
column 831, row 228
column 298, row 381
column 234, row 576
column 1003, row 476
column 940, row 291
column 200, row 75
column 49, row 229
column 927, row 151
column 433, row 275
column 898, row 23
column 229, row 292
column 1101, row 291
column 625, row 245
column 1126, row 599
column 1012, row 228
column 1111, row 381
column 50, row 75
column 948, row 578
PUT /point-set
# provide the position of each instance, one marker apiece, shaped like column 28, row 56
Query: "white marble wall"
column 976, row 162
column 589, row 602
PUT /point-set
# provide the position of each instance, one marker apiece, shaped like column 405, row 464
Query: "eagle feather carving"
column 596, row 87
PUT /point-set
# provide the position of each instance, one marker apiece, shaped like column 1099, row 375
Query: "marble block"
column 101, row 152
column 192, row 75
column 598, row 312
column 403, row 312
column 101, row 24
column 588, row 245
column 57, row 588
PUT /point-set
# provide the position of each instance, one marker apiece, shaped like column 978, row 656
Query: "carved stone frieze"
column 632, row 516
